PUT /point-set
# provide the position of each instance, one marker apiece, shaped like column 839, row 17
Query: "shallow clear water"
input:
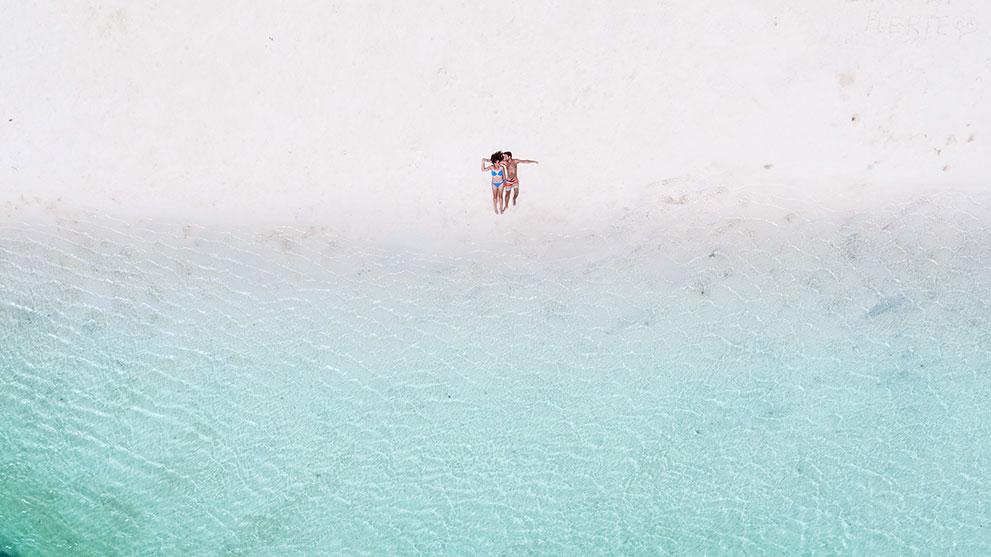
column 717, row 384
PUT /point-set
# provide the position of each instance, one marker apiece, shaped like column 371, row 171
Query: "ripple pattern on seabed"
column 719, row 384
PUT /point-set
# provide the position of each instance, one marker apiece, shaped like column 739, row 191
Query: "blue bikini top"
column 494, row 173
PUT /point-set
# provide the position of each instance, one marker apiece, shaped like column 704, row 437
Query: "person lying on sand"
column 498, row 170
column 512, row 180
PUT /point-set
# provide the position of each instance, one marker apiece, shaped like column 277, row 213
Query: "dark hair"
column 510, row 153
column 496, row 157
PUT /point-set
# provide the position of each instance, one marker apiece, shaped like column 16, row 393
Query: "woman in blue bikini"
column 498, row 170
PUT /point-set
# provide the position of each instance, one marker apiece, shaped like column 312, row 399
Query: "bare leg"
column 496, row 198
column 516, row 193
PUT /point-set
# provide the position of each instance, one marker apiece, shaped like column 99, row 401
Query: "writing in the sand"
column 921, row 27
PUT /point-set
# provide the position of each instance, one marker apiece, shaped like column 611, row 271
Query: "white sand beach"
column 368, row 116
column 254, row 298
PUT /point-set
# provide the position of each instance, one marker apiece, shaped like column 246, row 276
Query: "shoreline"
column 541, row 212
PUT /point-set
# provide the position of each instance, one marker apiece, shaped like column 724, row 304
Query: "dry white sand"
column 370, row 118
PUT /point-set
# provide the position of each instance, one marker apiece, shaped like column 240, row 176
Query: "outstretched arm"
column 525, row 161
column 484, row 162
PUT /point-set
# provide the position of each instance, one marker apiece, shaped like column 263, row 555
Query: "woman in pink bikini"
column 498, row 170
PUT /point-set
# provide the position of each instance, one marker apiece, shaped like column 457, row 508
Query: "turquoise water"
column 709, row 385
